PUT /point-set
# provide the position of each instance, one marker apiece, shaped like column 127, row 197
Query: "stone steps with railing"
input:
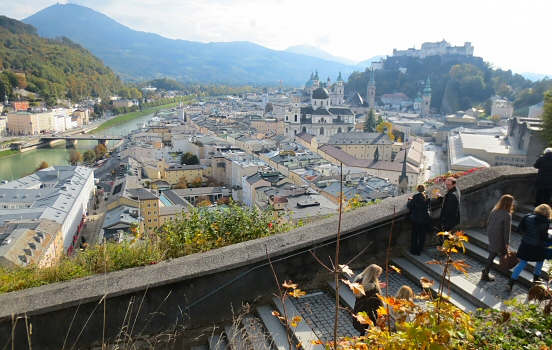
column 464, row 290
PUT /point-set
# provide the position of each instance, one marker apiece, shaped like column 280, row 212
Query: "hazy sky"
column 511, row 35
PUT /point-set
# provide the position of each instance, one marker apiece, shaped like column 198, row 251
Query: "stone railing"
column 202, row 289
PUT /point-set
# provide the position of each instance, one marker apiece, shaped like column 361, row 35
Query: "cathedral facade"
column 324, row 113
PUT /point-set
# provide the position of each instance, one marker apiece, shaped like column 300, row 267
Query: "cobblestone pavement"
column 496, row 288
column 318, row 308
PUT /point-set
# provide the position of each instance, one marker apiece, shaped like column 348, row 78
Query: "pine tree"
column 370, row 121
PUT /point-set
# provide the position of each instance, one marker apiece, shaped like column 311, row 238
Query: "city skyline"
column 357, row 31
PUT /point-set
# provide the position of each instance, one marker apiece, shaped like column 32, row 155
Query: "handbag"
column 508, row 260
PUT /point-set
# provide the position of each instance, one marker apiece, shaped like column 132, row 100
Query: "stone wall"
column 202, row 289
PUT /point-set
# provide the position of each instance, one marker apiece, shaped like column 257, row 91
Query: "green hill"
column 457, row 82
column 53, row 68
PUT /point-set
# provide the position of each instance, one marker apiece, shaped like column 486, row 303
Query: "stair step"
column 346, row 296
column 413, row 273
column 526, row 208
column 256, row 333
column 303, row 333
column 274, row 327
column 218, row 342
column 466, row 289
column 235, row 337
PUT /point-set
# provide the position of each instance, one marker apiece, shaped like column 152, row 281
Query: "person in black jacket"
column 534, row 228
column 369, row 302
column 421, row 219
column 543, row 182
column 450, row 206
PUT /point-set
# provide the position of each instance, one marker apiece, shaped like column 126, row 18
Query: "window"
column 154, row 204
column 149, row 220
column 154, row 213
column 149, row 212
column 154, row 220
column 149, row 205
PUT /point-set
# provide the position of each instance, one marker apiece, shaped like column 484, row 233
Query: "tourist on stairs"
column 534, row 228
column 543, row 185
column 498, row 231
column 421, row 219
column 369, row 302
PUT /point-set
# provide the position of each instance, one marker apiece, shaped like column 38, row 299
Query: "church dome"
column 309, row 83
column 320, row 94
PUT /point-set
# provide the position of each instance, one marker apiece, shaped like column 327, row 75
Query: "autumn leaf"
column 295, row 321
column 461, row 265
column 297, row 293
column 357, row 288
column 362, row 318
column 382, row 310
column 346, row 270
column 423, row 296
column 317, row 342
column 397, row 270
column 443, row 233
column 289, row 284
column 434, row 262
column 426, row 283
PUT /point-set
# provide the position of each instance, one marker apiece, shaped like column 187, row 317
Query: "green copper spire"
column 427, row 89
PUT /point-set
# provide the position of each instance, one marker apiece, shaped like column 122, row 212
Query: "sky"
column 510, row 35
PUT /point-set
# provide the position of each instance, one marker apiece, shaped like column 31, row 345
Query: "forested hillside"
column 54, row 68
column 457, row 82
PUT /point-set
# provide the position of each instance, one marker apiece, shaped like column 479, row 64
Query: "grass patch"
column 8, row 152
column 133, row 115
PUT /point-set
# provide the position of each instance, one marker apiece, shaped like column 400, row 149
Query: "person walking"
column 543, row 181
column 421, row 219
column 534, row 228
column 369, row 302
column 498, row 230
column 450, row 206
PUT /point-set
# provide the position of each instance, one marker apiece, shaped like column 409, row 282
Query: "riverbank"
column 8, row 153
column 133, row 115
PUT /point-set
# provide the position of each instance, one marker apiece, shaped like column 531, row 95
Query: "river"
column 24, row 164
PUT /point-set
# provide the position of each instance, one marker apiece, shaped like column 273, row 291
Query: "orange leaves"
column 426, row 283
column 346, row 270
column 461, row 265
column 397, row 270
column 296, row 293
column 289, row 284
column 295, row 321
column 357, row 288
column 362, row 318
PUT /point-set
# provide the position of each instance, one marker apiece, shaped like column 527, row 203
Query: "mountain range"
column 136, row 55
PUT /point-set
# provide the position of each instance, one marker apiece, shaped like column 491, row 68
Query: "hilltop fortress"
column 438, row 48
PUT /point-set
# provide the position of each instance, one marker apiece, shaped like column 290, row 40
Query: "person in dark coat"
column 369, row 303
column 450, row 206
column 421, row 219
column 498, row 230
column 534, row 228
column 543, row 182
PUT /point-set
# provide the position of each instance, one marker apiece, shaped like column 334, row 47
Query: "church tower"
column 403, row 178
column 264, row 98
column 426, row 99
column 371, row 93
column 338, row 92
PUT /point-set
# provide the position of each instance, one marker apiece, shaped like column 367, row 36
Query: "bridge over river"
column 71, row 140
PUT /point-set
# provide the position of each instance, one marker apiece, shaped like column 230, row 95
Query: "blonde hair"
column 370, row 275
column 544, row 210
column 405, row 293
column 505, row 202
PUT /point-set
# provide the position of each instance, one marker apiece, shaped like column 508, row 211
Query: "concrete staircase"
column 263, row 330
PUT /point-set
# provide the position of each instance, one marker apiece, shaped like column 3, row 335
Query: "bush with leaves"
column 203, row 229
